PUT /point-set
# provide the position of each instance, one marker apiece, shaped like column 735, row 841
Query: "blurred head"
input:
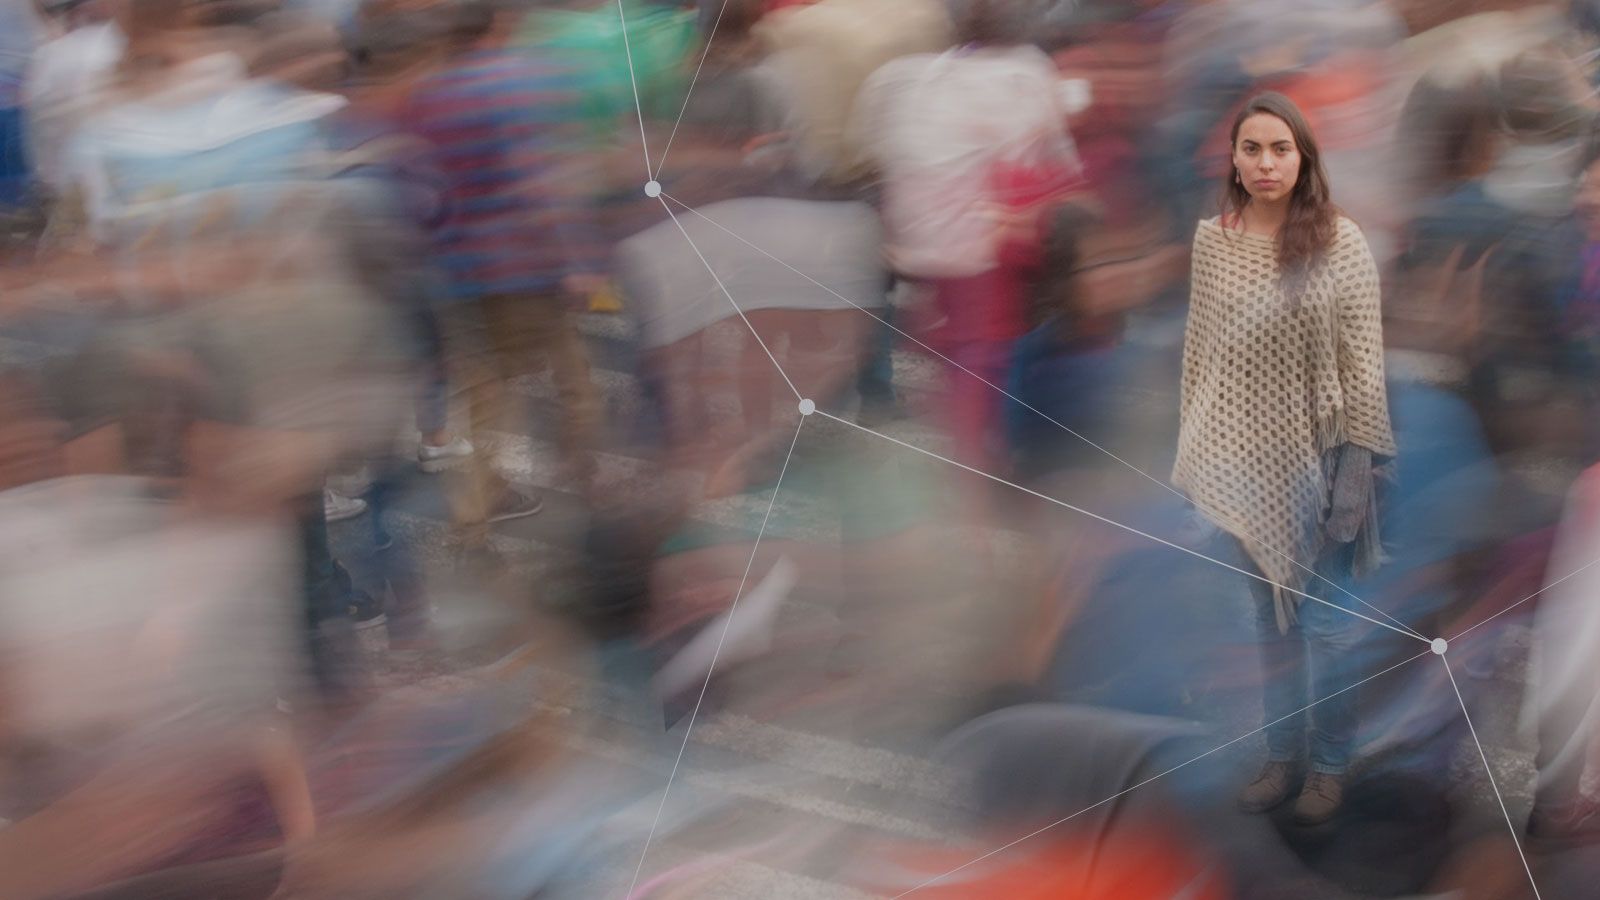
column 994, row 23
column 471, row 21
column 1544, row 97
column 387, row 41
column 304, row 53
column 729, row 28
column 163, row 33
column 1586, row 15
column 1276, row 160
column 70, row 14
column 1421, row 15
column 148, row 20
column 476, row 20
column 1452, row 133
column 222, row 13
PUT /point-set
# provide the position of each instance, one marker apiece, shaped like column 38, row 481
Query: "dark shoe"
column 1269, row 788
column 337, row 664
column 513, row 505
column 1319, row 799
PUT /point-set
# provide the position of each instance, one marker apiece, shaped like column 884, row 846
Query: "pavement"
column 784, row 760
column 789, row 754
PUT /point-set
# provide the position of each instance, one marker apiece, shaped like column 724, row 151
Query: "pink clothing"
column 983, row 318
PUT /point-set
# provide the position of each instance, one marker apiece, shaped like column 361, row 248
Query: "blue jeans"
column 1314, row 660
column 393, row 556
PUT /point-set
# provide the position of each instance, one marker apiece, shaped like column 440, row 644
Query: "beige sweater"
column 1268, row 392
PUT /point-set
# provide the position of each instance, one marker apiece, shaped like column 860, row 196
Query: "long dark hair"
column 1313, row 220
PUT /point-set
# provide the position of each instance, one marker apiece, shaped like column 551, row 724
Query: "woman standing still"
column 1283, row 417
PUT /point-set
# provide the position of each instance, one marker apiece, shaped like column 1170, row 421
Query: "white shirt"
column 62, row 81
column 936, row 125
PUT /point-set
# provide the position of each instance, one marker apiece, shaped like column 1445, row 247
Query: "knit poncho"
column 1269, row 390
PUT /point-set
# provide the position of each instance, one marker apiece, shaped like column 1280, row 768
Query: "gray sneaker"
column 1269, row 788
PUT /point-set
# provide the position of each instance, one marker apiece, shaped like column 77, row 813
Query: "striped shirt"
column 502, row 126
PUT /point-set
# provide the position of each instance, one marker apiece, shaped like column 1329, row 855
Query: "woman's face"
column 1266, row 158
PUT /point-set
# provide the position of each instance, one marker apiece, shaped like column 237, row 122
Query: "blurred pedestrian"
column 62, row 78
column 971, row 144
column 516, row 245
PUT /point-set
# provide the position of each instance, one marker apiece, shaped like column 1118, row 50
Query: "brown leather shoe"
column 1319, row 799
column 1269, row 788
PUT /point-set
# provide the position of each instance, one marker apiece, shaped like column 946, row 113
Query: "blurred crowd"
column 428, row 425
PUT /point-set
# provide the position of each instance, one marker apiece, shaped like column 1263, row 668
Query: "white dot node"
column 1440, row 645
column 652, row 189
column 807, row 407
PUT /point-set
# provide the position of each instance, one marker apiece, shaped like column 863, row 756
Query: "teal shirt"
column 664, row 44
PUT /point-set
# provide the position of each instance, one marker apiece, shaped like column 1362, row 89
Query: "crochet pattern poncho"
column 1269, row 390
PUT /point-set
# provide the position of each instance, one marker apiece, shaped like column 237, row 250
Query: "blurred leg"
column 550, row 331
column 433, row 395
column 328, row 595
column 511, row 326
column 407, row 609
column 476, row 375
column 758, row 377
column 875, row 380
column 982, row 322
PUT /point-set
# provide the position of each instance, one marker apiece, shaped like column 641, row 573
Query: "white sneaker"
column 338, row 507
column 436, row 459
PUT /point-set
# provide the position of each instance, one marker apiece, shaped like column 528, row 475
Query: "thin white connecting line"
column 1130, row 466
column 940, row 877
column 1547, row 587
column 734, row 608
column 1487, row 771
column 662, row 164
column 627, row 47
column 1128, row 528
column 736, row 308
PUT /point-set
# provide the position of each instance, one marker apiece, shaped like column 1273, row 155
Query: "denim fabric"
column 1311, row 663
